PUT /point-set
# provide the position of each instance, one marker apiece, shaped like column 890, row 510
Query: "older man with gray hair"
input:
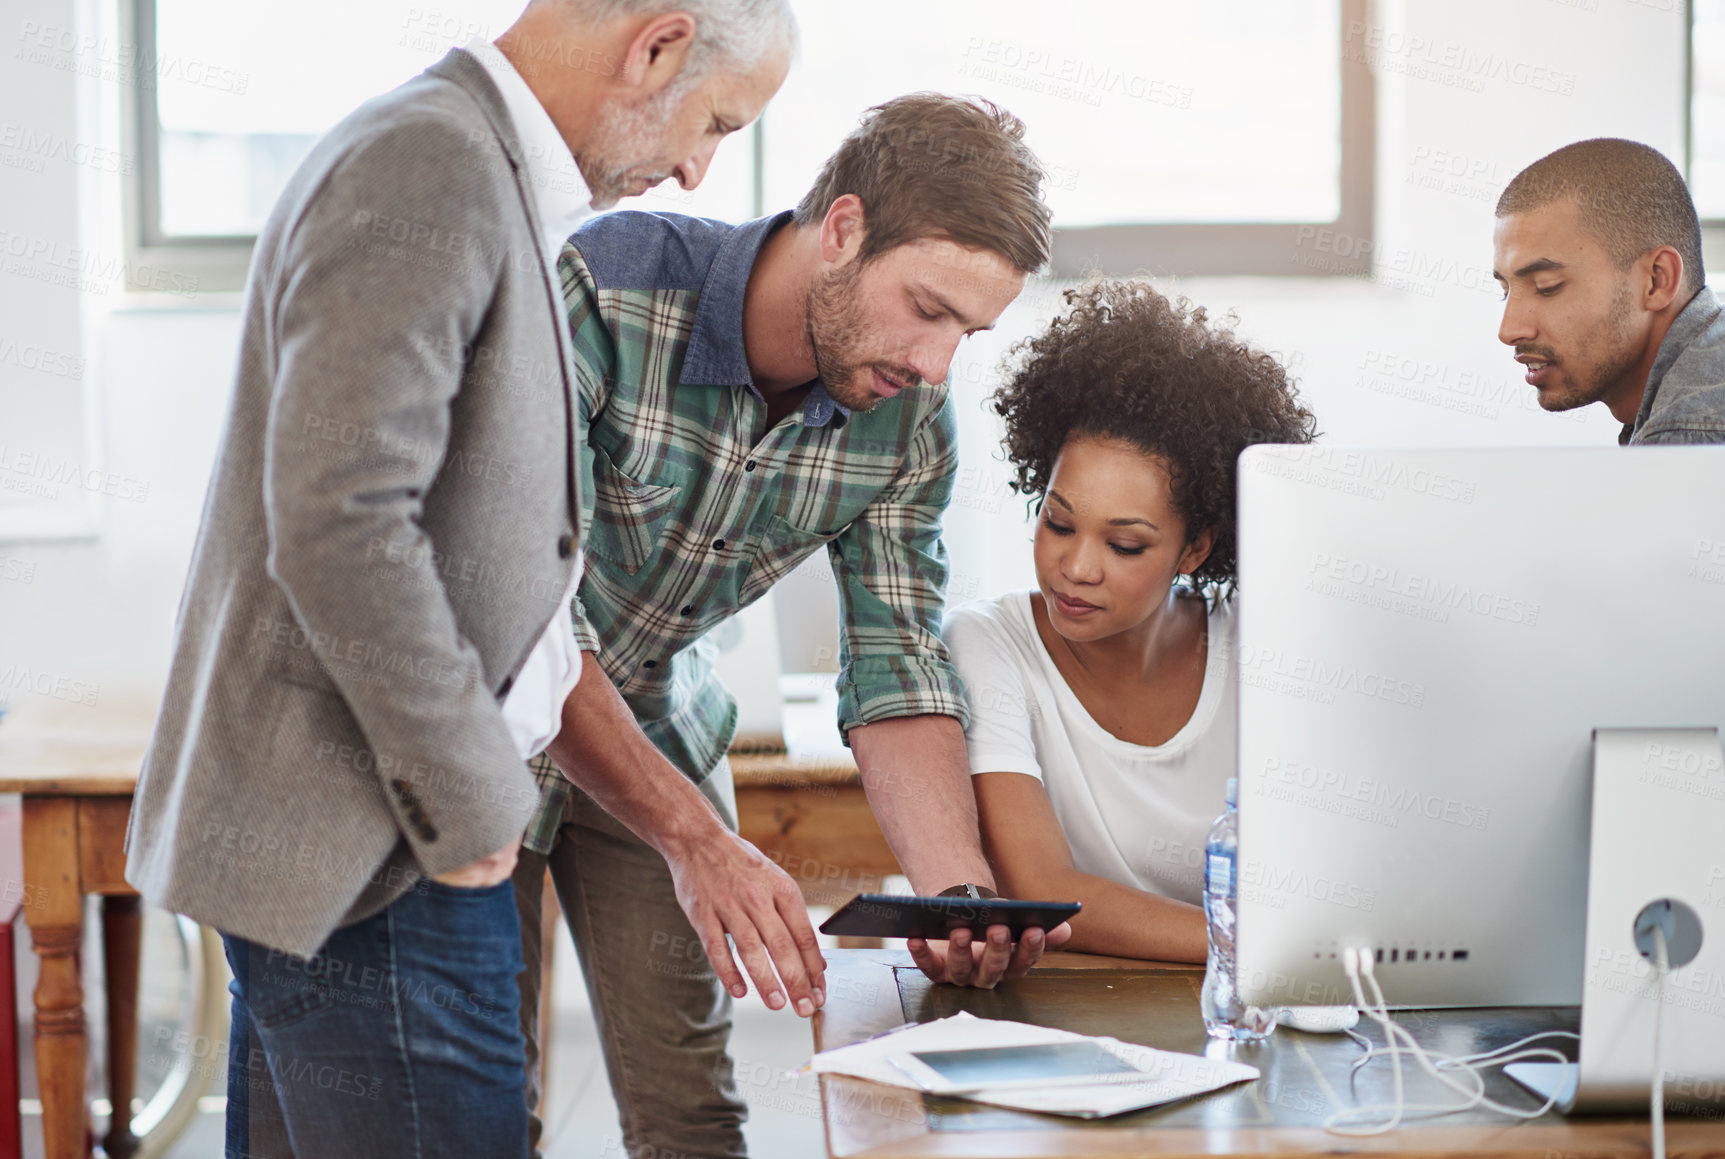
column 375, row 629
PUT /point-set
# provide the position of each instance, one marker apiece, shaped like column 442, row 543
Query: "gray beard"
column 624, row 141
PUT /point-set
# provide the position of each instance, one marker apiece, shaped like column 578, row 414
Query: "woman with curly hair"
column 1102, row 703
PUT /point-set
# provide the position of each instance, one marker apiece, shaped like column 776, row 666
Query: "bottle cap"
column 1233, row 792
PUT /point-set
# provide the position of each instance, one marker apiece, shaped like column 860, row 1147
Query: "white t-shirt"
column 1136, row 814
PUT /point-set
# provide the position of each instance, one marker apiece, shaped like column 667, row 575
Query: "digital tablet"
column 882, row 915
column 1006, row 1067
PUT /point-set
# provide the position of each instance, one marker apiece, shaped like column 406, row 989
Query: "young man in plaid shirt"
column 750, row 395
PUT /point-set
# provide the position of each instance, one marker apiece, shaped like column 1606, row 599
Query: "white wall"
column 102, row 612
column 1409, row 358
column 44, row 378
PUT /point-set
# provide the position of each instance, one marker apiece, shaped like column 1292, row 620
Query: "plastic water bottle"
column 1225, row 1016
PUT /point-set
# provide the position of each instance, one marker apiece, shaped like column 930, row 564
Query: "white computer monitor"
column 1427, row 640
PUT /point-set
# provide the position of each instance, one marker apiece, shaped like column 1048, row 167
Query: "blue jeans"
column 401, row 1037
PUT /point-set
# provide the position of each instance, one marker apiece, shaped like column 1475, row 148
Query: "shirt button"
column 565, row 546
column 718, row 545
column 749, row 466
column 651, row 664
column 686, row 610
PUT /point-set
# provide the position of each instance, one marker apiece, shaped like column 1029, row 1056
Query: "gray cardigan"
column 390, row 526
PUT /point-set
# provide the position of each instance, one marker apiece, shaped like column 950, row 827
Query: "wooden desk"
column 814, row 820
column 76, row 766
column 1305, row 1077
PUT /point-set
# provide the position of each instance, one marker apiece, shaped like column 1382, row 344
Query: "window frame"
column 1157, row 248
column 1245, row 249
column 1712, row 228
column 212, row 263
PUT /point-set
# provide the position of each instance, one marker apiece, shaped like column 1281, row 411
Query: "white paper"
column 1170, row 1075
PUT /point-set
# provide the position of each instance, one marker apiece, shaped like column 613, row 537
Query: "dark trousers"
column 401, row 1037
column 663, row 1018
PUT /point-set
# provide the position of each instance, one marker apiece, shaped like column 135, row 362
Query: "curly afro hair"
column 1125, row 362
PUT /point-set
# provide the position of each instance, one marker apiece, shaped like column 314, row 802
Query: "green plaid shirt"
column 693, row 509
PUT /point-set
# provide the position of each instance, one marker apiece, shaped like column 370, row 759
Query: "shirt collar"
column 1694, row 318
column 560, row 193
column 716, row 355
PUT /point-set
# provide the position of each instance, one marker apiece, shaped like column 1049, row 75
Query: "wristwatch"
column 968, row 889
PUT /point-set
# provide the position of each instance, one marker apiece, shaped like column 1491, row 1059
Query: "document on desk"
column 1168, row 1076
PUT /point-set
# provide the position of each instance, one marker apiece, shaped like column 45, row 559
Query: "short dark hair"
column 1632, row 199
column 930, row 165
column 1124, row 362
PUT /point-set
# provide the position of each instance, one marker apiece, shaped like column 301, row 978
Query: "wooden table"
column 812, row 818
column 76, row 767
column 1305, row 1076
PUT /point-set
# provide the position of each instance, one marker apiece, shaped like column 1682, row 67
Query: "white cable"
column 1656, row 1107
column 1476, row 1096
column 1468, row 1061
column 1351, row 967
column 1471, row 1061
column 1489, row 1055
column 1357, row 965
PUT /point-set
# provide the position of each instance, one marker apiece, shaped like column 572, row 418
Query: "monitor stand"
column 1657, row 860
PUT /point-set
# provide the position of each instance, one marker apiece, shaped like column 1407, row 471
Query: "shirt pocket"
column 629, row 516
column 781, row 547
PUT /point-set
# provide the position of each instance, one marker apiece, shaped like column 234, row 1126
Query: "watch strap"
column 970, row 890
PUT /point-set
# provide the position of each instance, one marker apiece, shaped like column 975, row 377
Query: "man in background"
column 751, row 395
column 1598, row 251
column 336, row 780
